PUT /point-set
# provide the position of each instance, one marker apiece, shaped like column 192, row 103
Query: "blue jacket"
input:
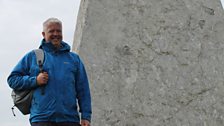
column 67, row 85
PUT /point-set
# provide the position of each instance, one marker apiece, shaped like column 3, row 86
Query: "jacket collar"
column 49, row 47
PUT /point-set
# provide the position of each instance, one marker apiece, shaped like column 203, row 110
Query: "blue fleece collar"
column 49, row 47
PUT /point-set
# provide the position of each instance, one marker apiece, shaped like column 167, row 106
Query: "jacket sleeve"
column 19, row 78
column 83, row 92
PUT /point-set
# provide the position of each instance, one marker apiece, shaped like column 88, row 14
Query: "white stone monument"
column 153, row 62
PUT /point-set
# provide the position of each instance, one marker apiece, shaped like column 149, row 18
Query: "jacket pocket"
column 70, row 72
column 43, row 103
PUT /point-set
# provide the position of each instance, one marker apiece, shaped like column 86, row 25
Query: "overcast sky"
column 20, row 31
column 222, row 1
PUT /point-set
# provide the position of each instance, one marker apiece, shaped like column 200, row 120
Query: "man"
column 61, row 88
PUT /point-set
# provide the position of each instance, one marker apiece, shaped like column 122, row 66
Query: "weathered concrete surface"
column 153, row 62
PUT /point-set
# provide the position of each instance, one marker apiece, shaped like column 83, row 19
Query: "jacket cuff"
column 33, row 83
column 86, row 116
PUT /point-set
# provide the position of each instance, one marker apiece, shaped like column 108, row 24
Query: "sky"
column 20, row 32
column 222, row 1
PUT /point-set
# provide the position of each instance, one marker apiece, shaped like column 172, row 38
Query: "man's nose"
column 55, row 33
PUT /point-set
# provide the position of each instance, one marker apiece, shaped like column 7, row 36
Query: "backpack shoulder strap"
column 39, row 57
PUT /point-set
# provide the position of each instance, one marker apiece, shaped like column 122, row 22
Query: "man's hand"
column 42, row 78
column 85, row 123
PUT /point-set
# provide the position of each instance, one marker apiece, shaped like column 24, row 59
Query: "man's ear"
column 43, row 34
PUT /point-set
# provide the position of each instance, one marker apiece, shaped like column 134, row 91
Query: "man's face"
column 53, row 34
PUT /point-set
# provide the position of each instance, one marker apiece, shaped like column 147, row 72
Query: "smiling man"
column 52, row 32
column 63, row 80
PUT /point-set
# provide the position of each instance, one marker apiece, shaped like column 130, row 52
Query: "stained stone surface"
column 153, row 62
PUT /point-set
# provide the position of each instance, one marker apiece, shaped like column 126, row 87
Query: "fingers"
column 45, row 76
column 42, row 78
